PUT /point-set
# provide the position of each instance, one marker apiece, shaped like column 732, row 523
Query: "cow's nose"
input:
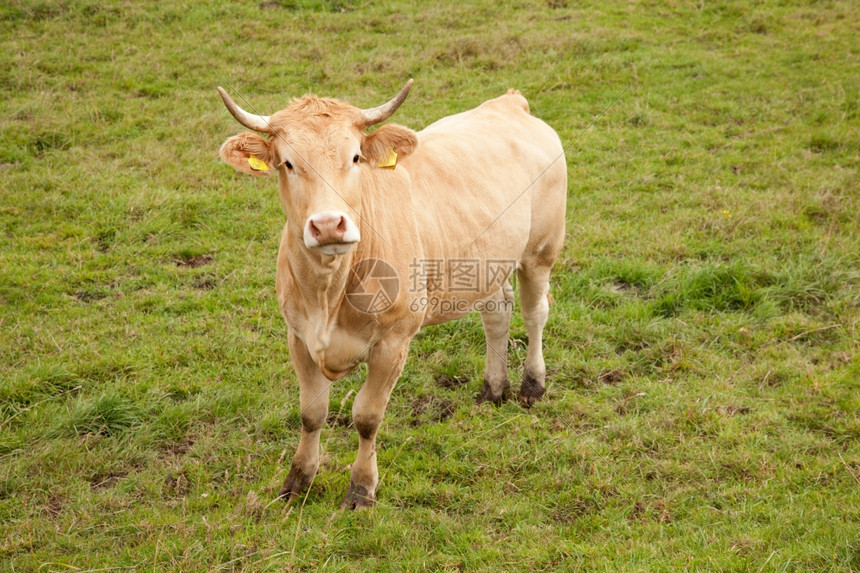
column 333, row 232
column 327, row 229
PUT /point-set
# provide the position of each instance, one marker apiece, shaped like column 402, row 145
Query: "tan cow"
column 371, row 253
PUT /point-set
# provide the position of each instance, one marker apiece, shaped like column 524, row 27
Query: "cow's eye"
column 355, row 159
column 288, row 165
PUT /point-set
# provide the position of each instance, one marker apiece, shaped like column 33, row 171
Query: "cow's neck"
column 321, row 278
column 321, row 281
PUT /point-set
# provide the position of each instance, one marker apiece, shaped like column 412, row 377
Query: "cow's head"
column 319, row 149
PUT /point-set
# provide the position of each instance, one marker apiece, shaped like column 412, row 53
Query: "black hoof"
column 358, row 497
column 489, row 395
column 296, row 484
column 531, row 391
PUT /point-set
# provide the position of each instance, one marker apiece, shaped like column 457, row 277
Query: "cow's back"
column 487, row 182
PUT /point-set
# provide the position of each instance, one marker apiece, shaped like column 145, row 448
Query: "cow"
column 391, row 230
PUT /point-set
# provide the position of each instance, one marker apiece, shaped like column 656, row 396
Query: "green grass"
column 703, row 411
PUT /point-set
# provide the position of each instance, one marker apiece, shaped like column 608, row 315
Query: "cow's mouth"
column 334, row 249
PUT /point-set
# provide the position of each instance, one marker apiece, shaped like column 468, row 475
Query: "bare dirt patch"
column 194, row 262
column 451, row 382
column 428, row 409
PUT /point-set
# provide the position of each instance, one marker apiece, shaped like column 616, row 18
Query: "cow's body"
column 483, row 187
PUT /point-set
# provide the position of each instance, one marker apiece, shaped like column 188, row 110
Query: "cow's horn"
column 249, row 120
column 375, row 115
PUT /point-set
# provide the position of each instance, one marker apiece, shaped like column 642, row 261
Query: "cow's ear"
column 248, row 152
column 378, row 145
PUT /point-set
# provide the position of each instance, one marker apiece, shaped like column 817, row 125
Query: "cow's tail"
column 523, row 102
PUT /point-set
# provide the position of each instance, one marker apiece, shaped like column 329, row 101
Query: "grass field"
column 703, row 409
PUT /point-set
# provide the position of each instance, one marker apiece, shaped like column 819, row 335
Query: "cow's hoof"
column 296, row 484
column 531, row 391
column 488, row 394
column 358, row 497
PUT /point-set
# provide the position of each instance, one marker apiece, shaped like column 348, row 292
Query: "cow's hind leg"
column 534, row 287
column 313, row 397
column 383, row 369
column 496, row 316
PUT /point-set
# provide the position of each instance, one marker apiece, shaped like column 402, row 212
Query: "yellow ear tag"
column 390, row 161
column 257, row 164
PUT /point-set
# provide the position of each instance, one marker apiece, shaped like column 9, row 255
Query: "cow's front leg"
column 313, row 397
column 385, row 364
